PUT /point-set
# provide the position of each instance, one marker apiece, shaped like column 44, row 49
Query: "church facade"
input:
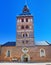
column 25, row 48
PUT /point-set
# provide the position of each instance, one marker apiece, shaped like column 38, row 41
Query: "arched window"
column 22, row 20
column 23, row 35
column 27, row 34
column 42, row 52
column 26, row 19
column 27, row 27
column 22, row 27
column 8, row 53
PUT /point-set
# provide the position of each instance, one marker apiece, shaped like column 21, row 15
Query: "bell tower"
column 24, row 30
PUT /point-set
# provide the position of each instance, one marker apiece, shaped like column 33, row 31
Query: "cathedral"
column 25, row 49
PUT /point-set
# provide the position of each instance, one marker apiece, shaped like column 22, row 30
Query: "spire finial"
column 25, row 2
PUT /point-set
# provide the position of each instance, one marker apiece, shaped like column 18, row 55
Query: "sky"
column 40, row 9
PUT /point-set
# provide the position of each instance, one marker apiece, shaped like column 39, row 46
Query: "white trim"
column 24, row 19
column 24, row 30
column 30, row 27
column 29, row 20
column 20, row 20
column 23, row 34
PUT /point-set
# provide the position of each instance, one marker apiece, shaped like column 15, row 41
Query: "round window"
column 25, row 50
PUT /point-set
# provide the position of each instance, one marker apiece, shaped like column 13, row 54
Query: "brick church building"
column 25, row 49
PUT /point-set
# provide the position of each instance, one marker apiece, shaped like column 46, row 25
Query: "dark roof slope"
column 50, row 44
column 9, row 44
column 14, row 43
column 25, row 11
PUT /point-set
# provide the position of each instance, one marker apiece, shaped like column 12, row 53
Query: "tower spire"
column 25, row 10
column 25, row 2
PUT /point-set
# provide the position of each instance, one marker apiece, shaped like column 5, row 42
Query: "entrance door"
column 25, row 60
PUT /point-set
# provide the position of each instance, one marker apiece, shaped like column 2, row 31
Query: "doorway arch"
column 25, row 58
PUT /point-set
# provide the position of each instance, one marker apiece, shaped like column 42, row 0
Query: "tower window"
column 27, row 26
column 26, row 35
column 42, row 52
column 22, row 20
column 26, row 19
column 23, row 35
column 23, row 42
column 26, row 41
column 8, row 53
column 22, row 27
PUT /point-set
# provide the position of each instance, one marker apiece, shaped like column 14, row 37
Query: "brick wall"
column 33, row 52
